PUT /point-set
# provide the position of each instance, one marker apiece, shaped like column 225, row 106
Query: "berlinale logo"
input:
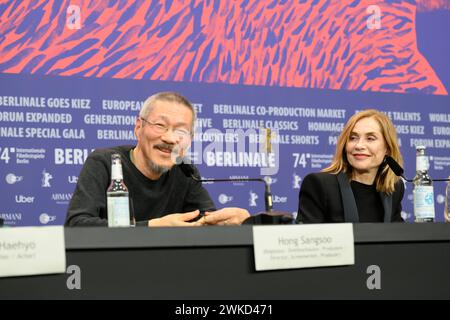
column 296, row 181
column 46, row 177
column 252, row 199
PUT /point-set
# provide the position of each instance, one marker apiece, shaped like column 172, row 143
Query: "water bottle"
column 447, row 203
column 423, row 189
column 117, row 197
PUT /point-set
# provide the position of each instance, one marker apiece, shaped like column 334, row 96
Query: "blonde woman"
column 357, row 186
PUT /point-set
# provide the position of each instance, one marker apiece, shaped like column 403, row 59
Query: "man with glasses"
column 160, row 193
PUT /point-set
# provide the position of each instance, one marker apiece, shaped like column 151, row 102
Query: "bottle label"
column 424, row 202
column 422, row 163
column 118, row 212
column 116, row 172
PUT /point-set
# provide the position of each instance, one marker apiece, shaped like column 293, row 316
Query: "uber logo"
column 22, row 199
column 277, row 199
column 72, row 179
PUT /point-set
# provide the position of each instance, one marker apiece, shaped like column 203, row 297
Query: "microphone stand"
column 268, row 217
column 267, row 194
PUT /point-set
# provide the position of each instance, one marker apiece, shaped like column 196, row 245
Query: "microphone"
column 190, row 172
column 395, row 167
column 398, row 170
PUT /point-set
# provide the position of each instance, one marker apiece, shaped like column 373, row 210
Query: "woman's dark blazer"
column 326, row 197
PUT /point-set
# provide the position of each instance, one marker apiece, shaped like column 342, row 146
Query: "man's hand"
column 177, row 220
column 225, row 216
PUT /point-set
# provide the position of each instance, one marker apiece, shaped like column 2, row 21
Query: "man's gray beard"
column 158, row 169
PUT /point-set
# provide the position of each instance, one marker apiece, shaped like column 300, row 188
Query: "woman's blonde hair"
column 385, row 179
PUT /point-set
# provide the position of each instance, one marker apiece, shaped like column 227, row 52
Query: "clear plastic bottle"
column 119, row 214
column 423, row 189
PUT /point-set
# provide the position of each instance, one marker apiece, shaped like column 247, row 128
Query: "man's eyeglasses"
column 161, row 128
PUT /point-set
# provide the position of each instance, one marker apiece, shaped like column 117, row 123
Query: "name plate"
column 303, row 246
column 32, row 250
